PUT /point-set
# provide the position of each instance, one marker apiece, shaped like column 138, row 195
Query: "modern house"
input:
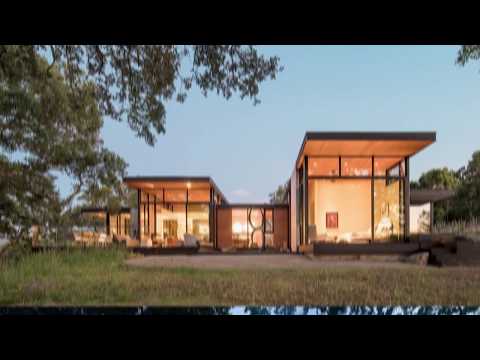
column 346, row 187
column 172, row 207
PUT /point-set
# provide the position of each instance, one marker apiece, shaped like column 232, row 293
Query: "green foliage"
column 467, row 53
column 466, row 182
column 467, row 204
column 441, row 179
column 280, row 196
column 52, row 103
column 134, row 81
column 46, row 127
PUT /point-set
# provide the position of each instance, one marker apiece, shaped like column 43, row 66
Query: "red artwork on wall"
column 332, row 220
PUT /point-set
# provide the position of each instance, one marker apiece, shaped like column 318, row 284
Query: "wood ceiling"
column 393, row 148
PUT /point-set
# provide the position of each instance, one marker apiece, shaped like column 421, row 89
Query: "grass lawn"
column 99, row 277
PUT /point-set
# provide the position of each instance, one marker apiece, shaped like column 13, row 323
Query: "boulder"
column 420, row 258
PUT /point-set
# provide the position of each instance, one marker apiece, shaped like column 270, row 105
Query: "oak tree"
column 54, row 100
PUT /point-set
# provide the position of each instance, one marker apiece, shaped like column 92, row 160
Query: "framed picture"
column 332, row 220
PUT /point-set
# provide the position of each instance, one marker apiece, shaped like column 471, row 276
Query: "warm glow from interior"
column 237, row 228
column 189, row 185
column 350, row 200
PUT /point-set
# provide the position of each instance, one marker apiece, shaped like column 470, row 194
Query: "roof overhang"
column 395, row 144
column 172, row 182
column 418, row 197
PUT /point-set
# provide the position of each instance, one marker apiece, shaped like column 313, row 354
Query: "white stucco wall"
column 420, row 218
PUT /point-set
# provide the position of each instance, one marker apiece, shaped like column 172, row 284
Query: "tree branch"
column 54, row 59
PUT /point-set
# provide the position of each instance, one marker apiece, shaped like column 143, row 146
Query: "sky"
column 249, row 150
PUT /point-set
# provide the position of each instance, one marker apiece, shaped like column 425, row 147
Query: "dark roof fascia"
column 422, row 196
column 365, row 135
column 178, row 178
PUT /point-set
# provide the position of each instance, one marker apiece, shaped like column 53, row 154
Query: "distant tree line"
column 465, row 181
column 280, row 196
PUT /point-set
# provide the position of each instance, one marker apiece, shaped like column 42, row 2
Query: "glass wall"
column 388, row 209
column 252, row 228
column 240, row 228
column 389, row 166
column 269, row 230
column 120, row 224
column 166, row 215
column 356, row 166
column 198, row 222
column 95, row 222
column 319, row 166
column 355, row 199
column 339, row 210
column 255, row 228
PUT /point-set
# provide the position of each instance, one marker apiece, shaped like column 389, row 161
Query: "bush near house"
column 468, row 228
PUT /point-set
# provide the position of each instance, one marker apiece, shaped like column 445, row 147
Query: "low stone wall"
column 455, row 250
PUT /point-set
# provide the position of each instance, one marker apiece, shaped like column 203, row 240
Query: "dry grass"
column 99, row 277
column 459, row 227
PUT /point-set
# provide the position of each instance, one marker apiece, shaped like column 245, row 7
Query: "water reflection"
column 355, row 310
column 241, row 310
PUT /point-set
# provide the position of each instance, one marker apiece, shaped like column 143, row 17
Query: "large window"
column 339, row 210
column 252, row 228
column 389, row 166
column 239, row 228
column 352, row 166
column 388, row 209
column 171, row 225
column 95, row 222
column 269, row 230
column 198, row 222
column 165, row 223
column 120, row 224
column 364, row 201
column 323, row 166
column 255, row 228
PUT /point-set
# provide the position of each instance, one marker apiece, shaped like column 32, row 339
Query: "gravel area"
column 253, row 262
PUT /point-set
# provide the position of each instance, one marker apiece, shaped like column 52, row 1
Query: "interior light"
column 189, row 185
column 237, row 228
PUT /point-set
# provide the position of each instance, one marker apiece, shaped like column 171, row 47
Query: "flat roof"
column 422, row 196
column 396, row 143
column 151, row 182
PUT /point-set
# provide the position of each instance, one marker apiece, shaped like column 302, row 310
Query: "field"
column 100, row 277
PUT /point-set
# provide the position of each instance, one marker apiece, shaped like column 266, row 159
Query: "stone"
column 420, row 258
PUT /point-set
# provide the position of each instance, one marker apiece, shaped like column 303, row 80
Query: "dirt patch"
column 252, row 262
